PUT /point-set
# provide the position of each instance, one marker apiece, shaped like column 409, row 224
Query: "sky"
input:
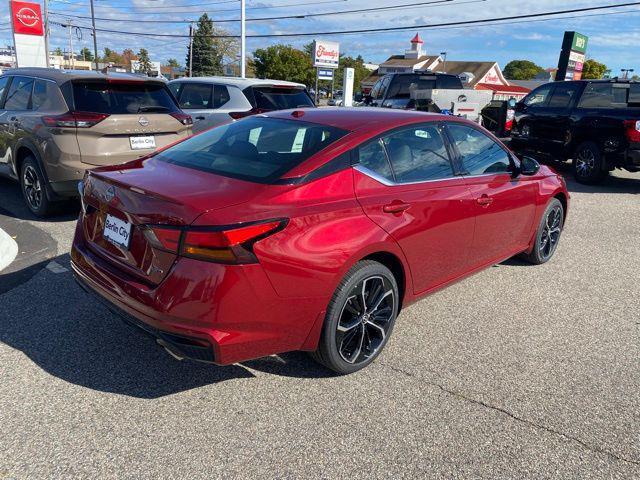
column 614, row 34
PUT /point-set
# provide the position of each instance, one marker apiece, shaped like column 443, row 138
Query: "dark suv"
column 55, row 124
column 594, row 122
column 394, row 89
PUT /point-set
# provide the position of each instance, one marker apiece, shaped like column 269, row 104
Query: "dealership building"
column 475, row 75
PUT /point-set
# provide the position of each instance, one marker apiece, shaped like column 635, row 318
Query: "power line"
column 432, row 3
column 393, row 29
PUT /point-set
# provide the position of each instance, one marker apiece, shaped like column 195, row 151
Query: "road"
column 516, row 372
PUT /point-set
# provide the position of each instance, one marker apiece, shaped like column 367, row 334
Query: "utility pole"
column 191, row 50
column 95, row 40
column 243, row 35
column 444, row 62
column 71, row 62
column 46, row 31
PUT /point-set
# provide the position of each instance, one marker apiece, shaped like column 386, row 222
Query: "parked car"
column 393, row 90
column 307, row 229
column 596, row 123
column 212, row 101
column 55, row 124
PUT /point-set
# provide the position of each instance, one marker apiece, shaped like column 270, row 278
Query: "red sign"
column 27, row 18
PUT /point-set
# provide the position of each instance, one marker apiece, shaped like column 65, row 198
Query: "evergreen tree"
column 209, row 50
column 144, row 63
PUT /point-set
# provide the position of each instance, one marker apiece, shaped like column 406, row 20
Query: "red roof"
column 503, row 88
column 416, row 39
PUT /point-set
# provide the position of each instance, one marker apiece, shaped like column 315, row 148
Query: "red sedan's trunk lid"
column 151, row 192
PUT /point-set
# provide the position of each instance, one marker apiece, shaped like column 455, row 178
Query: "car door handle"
column 396, row 207
column 484, row 200
column 199, row 118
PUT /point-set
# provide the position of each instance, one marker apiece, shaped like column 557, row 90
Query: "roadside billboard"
column 28, row 34
column 572, row 56
column 326, row 54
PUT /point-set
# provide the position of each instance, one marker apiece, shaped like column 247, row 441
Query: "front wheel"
column 359, row 319
column 33, row 187
column 548, row 234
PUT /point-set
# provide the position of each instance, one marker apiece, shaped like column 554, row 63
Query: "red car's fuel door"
column 406, row 184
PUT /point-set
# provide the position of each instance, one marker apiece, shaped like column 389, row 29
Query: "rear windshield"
column 402, row 85
column 256, row 149
column 121, row 98
column 611, row 95
column 280, row 98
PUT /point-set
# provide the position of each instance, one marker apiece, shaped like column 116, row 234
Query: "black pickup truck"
column 595, row 123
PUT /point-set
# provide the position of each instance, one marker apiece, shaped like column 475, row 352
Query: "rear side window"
column 563, row 95
column 605, row 95
column 402, row 85
column 448, row 82
column 280, row 98
column 634, row 95
column 196, row 96
column 538, row 97
column 47, row 97
column 4, row 81
column 372, row 157
column 19, row 94
column 479, row 154
column 256, row 149
column 220, row 95
column 418, row 154
column 122, row 98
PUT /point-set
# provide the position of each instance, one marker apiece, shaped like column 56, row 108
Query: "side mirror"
column 529, row 166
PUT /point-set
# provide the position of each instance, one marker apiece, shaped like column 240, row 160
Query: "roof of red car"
column 353, row 119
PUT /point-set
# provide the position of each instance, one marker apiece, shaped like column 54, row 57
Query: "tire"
column 33, row 186
column 350, row 340
column 588, row 163
column 546, row 243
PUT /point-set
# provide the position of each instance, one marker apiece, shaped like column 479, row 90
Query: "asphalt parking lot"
column 516, row 372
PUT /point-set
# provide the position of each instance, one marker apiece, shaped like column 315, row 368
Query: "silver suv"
column 212, row 101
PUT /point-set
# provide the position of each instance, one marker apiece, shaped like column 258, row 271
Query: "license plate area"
column 117, row 232
column 140, row 142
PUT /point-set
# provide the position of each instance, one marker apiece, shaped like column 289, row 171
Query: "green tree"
column 593, row 70
column 58, row 51
column 283, row 62
column 86, row 54
column 172, row 62
column 521, row 70
column 144, row 63
column 210, row 49
column 111, row 56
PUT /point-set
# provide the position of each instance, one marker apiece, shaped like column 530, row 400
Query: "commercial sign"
column 27, row 19
column 28, row 34
column 326, row 54
column 325, row 74
column 572, row 56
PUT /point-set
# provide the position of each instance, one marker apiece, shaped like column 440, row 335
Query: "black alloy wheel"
column 33, row 188
column 587, row 164
column 359, row 319
column 548, row 234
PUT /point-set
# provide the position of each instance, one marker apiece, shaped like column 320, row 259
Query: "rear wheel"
column 588, row 164
column 359, row 319
column 33, row 187
column 548, row 234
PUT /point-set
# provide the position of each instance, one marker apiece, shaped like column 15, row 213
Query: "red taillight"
column 183, row 118
column 248, row 113
column 213, row 244
column 74, row 119
column 632, row 130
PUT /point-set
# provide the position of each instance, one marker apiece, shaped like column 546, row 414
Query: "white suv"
column 212, row 101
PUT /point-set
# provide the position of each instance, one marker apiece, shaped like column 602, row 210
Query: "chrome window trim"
column 390, row 183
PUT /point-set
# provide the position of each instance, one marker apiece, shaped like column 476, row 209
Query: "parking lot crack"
column 476, row 401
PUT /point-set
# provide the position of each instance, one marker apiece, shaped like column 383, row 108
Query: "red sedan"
column 307, row 230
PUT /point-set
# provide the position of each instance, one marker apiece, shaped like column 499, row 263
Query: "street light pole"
column 46, row 31
column 444, row 62
column 190, row 50
column 243, row 34
column 95, row 40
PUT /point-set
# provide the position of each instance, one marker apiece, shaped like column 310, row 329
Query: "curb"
column 8, row 249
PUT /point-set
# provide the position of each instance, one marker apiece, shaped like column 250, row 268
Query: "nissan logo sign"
column 27, row 17
column 143, row 121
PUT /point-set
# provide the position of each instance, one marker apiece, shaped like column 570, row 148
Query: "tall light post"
column 626, row 72
column 243, row 52
column 95, row 40
column 46, row 31
column 444, row 62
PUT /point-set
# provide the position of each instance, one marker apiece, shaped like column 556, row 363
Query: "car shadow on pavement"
column 611, row 183
column 71, row 336
column 12, row 205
